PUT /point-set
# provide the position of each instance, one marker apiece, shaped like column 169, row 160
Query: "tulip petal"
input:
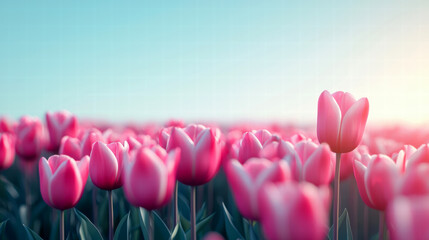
column 250, row 146
column 380, row 181
column 353, row 125
column 359, row 170
column 103, row 167
column 318, row 167
column 207, row 157
column 66, row 185
column 328, row 120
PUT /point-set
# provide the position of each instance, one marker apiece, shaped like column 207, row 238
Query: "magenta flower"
column 150, row 177
column 407, row 218
column 29, row 138
column 71, row 147
column 107, row 163
column 341, row 120
column 62, row 180
column 311, row 162
column 248, row 179
column 60, row 124
column 7, row 150
column 200, row 153
column 377, row 180
column 294, row 211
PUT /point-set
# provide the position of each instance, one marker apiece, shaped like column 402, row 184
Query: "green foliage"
column 344, row 228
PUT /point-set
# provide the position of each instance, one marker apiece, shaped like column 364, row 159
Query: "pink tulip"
column 341, row 120
column 415, row 181
column 294, row 211
column 29, row 138
column 347, row 161
column 200, row 153
column 311, row 162
column 421, row 155
column 89, row 137
column 7, row 125
column 140, row 140
column 402, row 157
column 60, row 124
column 7, row 150
column 62, row 180
column 248, row 179
column 107, row 163
column 407, row 218
column 71, row 147
column 251, row 144
column 150, row 177
column 377, row 180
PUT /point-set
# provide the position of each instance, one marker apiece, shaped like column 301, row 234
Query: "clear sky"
column 213, row 60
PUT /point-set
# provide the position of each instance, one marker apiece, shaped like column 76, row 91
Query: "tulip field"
column 63, row 177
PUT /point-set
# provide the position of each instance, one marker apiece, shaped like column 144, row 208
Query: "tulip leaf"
column 183, row 205
column 86, row 229
column 200, row 225
column 231, row 230
column 122, row 229
column 144, row 220
column 160, row 229
column 186, row 224
column 3, row 226
column 31, row 235
column 344, row 227
column 202, row 212
column 178, row 233
column 249, row 230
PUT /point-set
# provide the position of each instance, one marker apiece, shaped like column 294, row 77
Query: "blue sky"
column 213, row 60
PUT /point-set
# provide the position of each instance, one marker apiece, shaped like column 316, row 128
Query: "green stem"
column 176, row 212
column 62, row 235
column 193, row 210
column 111, row 223
column 336, row 195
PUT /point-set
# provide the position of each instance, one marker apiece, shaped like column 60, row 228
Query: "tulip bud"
column 62, row 180
column 150, row 177
column 341, row 120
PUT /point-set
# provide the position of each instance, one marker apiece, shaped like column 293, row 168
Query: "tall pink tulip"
column 294, row 211
column 29, row 138
column 311, row 162
column 60, row 124
column 150, row 177
column 407, row 218
column 106, row 170
column 248, row 179
column 106, row 165
column 341, row 120
column 7, row 150
column 199, row 159
column 200, row 153
column 62, row 180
